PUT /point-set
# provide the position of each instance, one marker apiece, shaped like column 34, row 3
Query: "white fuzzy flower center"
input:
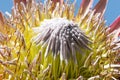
column 61, row 36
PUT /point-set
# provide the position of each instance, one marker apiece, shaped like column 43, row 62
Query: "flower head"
column 61, row 36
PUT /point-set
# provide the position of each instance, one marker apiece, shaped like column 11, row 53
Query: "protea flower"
column 48, row 41
column 63, row 37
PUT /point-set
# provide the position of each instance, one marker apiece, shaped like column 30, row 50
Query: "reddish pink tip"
column 55, row 1
column 18, row 1
column 1, row 18
column 115, row 25
column 86, row 4
column 100, row 7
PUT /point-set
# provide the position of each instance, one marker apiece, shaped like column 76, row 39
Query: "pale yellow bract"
column 22, row 59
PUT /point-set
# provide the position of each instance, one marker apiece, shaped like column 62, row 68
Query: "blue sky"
column 112, row 11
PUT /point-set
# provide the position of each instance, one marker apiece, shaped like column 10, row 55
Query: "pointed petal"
column 18, row 2
column 117, row 34
column 85, row 5
column 100, row 7
column 115, row 25
column 55, row 1
column 1, row 18
column 2, row 23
